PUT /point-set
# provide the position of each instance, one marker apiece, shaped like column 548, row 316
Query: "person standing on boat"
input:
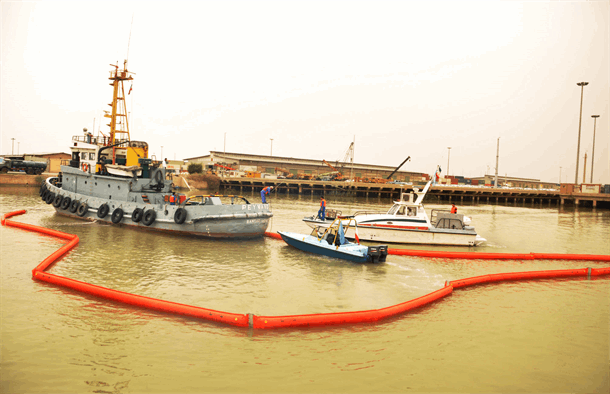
column 265, row 191
column 453, row 208
column 322, row 210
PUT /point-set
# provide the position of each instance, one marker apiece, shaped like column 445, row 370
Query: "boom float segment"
column 320, row 319
column 486, row 256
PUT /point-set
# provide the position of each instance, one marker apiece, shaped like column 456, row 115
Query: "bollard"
column 250, row 320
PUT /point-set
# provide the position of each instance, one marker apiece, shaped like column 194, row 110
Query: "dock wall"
column 441, row 193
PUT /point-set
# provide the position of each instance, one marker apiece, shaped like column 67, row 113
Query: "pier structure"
column 443, row 193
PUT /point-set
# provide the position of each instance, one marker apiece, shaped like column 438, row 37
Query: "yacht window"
column 393, row 210
column 411, row 212
column 401, row 210
column 91, row 156
column 84, row 155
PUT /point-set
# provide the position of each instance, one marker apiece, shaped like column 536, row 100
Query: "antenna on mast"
column 129, row 40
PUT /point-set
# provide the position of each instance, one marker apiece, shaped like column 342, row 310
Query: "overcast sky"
column 406, row 78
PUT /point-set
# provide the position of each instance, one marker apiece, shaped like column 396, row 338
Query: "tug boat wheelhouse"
column 406, row 222
column 112, row 179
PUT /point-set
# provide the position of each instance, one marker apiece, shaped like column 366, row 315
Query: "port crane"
column 398, row 168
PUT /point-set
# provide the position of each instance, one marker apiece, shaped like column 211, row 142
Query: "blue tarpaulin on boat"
column 341, row 234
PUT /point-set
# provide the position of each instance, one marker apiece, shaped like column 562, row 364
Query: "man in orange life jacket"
column 453, row 208
column 172, row 199
column 322, row 210
column 265, row 191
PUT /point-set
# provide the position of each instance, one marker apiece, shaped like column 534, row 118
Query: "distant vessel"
column 406, row 222
column 111, row 179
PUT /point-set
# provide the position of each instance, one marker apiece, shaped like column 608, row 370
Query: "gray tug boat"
column 111, row 179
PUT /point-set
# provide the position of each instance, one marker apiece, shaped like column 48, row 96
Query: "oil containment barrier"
column 486, row 256
column 320, row 319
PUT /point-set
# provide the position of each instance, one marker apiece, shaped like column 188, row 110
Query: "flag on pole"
column 131, row 87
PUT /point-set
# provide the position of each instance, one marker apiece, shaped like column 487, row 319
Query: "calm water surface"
column 537, row 336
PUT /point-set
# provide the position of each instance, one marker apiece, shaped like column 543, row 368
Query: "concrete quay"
column 454, row 193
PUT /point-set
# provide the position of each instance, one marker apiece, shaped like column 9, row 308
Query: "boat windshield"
column 401, row 209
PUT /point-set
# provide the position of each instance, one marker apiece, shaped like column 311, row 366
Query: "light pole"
column 271, row 154
column 448, row 154
column 582, row 87
column 497, row 162
column 593, row 152
column 13, row 146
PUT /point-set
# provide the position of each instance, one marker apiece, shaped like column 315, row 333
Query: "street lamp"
column 593, row 152
column 271, row 154
column 13, row 146
column 582, row 86
column 448, row 154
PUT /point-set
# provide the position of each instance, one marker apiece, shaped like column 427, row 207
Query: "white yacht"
column 406, row 222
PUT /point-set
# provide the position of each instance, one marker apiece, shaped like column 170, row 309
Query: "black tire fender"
column 180, row 216
column 82, row 209
column 74, row 206
column 136, row 215
column 103, row 210
column 149, row 217
column 49, row 197
column 65, row 204
column 57, row 201
column 158, row 176
column 117, row 215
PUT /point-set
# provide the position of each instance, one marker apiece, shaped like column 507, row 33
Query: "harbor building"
column 261, row 166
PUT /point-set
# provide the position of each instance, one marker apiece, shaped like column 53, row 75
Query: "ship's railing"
column 434, row 215
column 121, row 74
column 89, row 139
column 202, row 199
column 368, row 213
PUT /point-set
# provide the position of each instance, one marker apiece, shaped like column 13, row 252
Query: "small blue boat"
column 332, row 243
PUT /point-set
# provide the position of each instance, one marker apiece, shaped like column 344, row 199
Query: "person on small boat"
column 453, row 208
column 322, row 210
column 264, row 192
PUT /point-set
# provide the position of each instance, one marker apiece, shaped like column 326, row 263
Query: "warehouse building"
column 240, row 164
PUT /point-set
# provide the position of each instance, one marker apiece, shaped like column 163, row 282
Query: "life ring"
column 102, row 211
column 74, row 206
column 65, row 204
column 136, row 215
column 180, row 216
column 149, row 217
column 57, row 201
column 82, row 209
column 85, row 167
column 117, row 215
column 50, row 197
